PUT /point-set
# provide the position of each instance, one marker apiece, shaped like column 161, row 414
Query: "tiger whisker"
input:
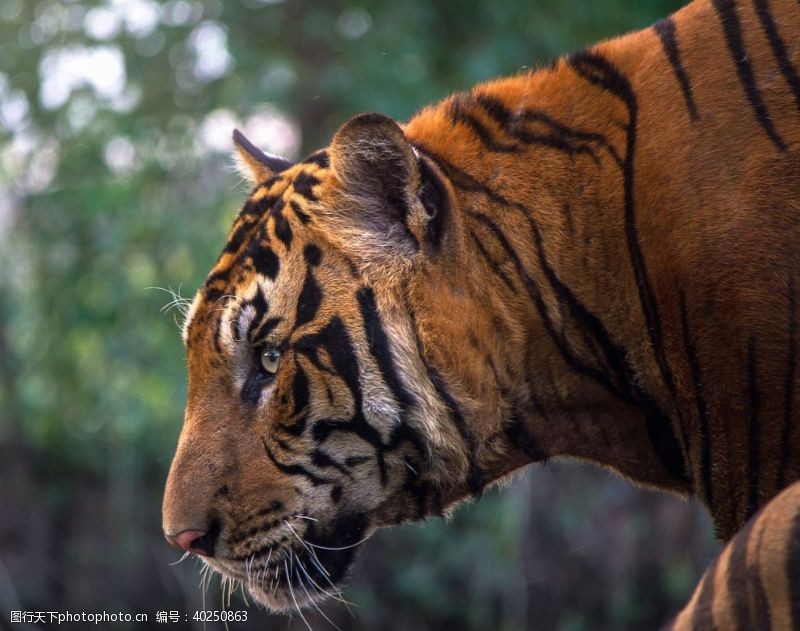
column 311, row 600
column 326, row 575
column 177, row 299
column 305, row 545
column 182, row 559
column 291, row 592
column 182, row 304
column 248, row 564
column 326, row 593
column 230, row 298
column 275, row 581
column 352, row 545
column 263, row 570
column 306, row 517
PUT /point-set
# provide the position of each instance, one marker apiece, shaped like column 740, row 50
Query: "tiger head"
column 337, row 357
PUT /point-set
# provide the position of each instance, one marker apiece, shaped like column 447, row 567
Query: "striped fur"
column 597, row 260
column 754, row 583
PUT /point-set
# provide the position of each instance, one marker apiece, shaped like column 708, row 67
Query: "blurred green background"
column 115, row 177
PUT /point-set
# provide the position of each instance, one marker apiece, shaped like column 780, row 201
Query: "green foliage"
column 110, row 189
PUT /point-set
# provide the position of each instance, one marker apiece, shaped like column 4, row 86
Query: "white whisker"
column 247, row 568
column 310, row 599
column 315, row 560
column 178, row 302
column 306, row 517
column 291, row 592
column 182, row 559
column 352, row 545
column 326, row 593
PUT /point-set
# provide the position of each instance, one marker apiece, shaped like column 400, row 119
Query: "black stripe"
column 569, row 355
column 324, row 461
column 520, row 437
column 309, row 300
column 753, row 434
column 265, row 261
column 511, row 123
column 760, row 614
column 789, row 383
column 284, row 445
column 703, row 614
column 282, row 228
column 300, row 398
column 475, row 476
column 265, row 329
column 299, row 212
column 433, row 195
column 255, row 209
column 793, row 570
column 294, row 469
column 778, row 47
column 379, row 346
column 739, row 579
column 493, row 265
column 312, row 254
column 238, row 236
column 304, row 184
column 726, row 9
column 698, row 388
column 534, row 293
column 465, row 181
column 335, row 339
column 658, row 425
column 666, row 32
column 600, row 72
column 260, row 306
column 320, row 158
column 459, row 114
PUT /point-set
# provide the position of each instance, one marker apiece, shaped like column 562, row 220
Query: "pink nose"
column 192, row 541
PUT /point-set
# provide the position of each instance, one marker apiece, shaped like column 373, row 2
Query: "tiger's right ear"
column 252, row 163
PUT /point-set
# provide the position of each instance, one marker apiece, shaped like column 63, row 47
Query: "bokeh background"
column 116, row 188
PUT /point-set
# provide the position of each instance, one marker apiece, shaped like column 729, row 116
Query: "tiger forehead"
column 298, row 186
column 275, row 219
column 270, row 218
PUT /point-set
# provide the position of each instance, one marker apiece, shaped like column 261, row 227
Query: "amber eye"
column 270, row 360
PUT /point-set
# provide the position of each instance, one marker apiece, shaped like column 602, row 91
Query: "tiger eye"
column 270, row 360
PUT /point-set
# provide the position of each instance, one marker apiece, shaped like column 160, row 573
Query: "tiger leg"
column 754, row 583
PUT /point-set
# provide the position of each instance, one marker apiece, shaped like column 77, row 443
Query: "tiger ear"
column 252, row 163
column 380, row 181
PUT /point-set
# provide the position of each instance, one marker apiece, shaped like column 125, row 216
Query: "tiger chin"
column 571, row 262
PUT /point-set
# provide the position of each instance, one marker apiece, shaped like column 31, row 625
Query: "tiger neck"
column 581, row 193
column 543, row 227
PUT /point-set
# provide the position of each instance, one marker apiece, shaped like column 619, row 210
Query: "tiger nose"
column 198, row 541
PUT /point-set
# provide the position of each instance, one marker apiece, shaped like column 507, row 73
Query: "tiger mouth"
column 298, row 580
column 308, row 570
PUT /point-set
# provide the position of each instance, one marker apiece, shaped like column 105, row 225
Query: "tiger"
column 595, row 260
